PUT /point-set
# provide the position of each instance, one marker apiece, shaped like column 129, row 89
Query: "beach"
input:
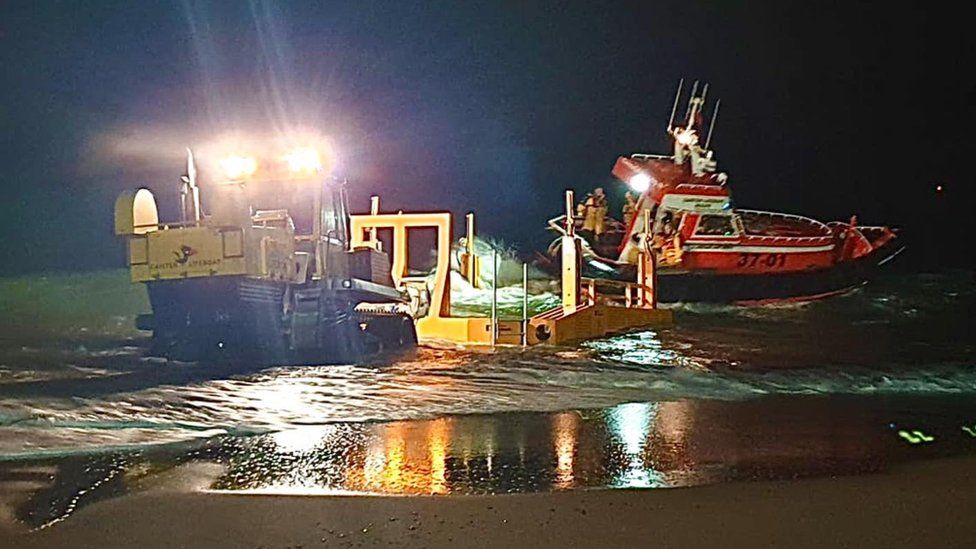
column 925, row 503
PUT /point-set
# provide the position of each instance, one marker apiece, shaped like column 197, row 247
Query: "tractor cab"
column 261, row 259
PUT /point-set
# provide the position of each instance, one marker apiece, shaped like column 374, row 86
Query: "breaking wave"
column 78, row 391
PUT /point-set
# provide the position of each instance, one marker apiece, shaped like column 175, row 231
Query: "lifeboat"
column 708, row 250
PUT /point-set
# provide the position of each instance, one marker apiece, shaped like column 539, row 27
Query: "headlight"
column 640, row 182
column 238, row 167
column 304, row 161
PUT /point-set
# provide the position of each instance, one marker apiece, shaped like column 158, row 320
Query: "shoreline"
column 921, row 502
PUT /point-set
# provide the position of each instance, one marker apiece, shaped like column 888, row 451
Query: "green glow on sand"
column 915, row 437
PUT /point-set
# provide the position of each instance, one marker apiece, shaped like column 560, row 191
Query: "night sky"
column 828, row 109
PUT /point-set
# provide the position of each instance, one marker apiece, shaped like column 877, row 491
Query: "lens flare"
column 238, row 167
column 304, row 160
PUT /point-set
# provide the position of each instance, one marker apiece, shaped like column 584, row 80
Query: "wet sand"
column 928, row 503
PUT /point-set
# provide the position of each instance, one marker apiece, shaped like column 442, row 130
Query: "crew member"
column 595, row 212
column 667, row 225
column 630, row 208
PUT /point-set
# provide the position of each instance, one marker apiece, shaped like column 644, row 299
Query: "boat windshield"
column 715, row 225
column 775, row 224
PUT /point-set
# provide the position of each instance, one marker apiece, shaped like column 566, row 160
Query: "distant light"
column 305, row 160
column 640, row 182
column 238, row 167
column 938, row 188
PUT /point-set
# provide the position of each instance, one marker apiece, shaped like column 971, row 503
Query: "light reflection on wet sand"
column 635, row 445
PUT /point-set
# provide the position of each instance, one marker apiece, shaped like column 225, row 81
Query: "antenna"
column 674, row 107
column 191, row 168
column 191, row 181
column 704, row 94
column 711, row 123
column 694, row 90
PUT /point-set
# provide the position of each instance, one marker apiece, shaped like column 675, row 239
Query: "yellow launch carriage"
column 279, row 270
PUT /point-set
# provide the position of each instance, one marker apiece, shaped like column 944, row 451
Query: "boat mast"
column 703, row 96
column 711, row 123
column 674, row 107
column 691, row 98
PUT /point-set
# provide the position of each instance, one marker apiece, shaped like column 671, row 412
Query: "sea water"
column 845, row 384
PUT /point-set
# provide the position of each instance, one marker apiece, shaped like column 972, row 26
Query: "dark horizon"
column 827, row 111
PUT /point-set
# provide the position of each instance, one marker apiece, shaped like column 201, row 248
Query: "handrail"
column 646, row 156
column 607, row 282
column 833, row 224
column 811, row 221
column 494, row 297
column 696, row 186
column 556, row 224
column 796, row 239
column 174, row 225
column 627, row 287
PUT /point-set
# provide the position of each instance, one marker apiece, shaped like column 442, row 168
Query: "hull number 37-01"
column 768, row 261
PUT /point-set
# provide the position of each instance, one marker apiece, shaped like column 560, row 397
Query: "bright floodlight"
column 640, row 182
column 304, row 161
column 238, row 167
